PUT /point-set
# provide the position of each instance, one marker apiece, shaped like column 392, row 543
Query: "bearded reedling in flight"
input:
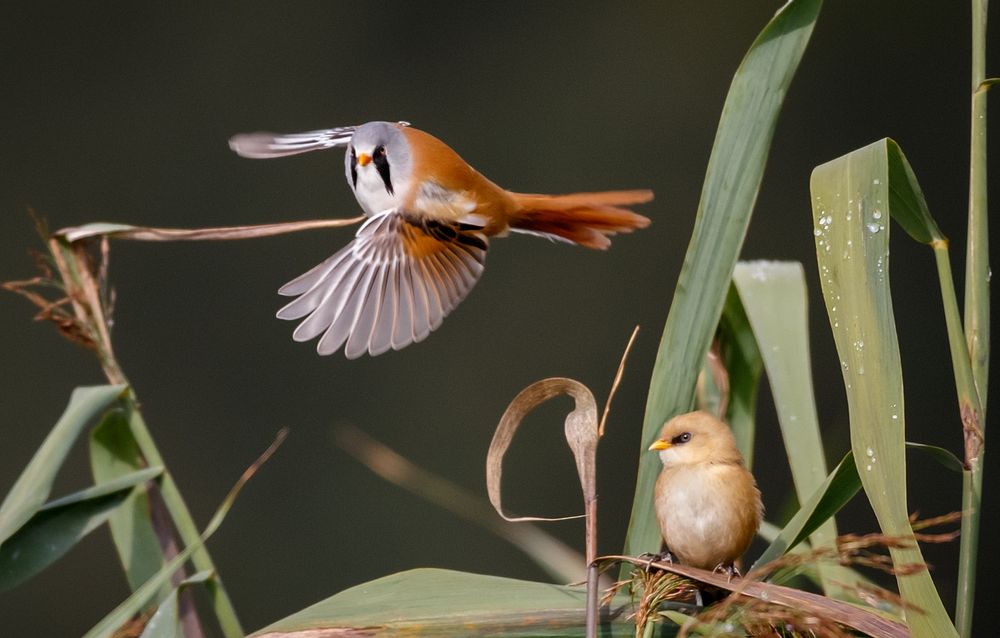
column 423, row 246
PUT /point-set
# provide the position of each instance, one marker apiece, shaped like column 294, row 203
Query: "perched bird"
column 423, row 247
column 707, row 503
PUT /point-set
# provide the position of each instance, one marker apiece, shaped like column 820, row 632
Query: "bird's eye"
column 380, row 151
column 681, row 438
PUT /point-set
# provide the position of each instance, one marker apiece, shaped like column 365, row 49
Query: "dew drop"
column 877, row 214
column 817, row 232
column 874, row 228
column 876, row 181
column 870, row 452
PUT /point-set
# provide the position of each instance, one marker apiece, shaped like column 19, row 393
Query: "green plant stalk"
column 968, row 398
column 977, row 324
column 971, row 411
column 83, row 292
column 977, row 271
column 182, row 520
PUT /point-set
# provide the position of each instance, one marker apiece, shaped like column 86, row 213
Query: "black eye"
column 380, row 151
column 681, row 438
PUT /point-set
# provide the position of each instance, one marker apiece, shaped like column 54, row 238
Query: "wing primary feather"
column 314, row 275
column 435, row 307
column 265, row 145
column 421, row 302
column 402, row 332
column 317, row 295
column 462, row 276
column 444, row 281
column 381, row 339
column 340, row 329
column 361, row 332
column 330, row 307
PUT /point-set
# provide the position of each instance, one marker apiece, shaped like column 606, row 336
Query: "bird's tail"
column 585, row 219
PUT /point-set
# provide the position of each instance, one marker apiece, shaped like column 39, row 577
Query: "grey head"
column 378, row 165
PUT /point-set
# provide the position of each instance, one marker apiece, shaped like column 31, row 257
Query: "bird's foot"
column 662, row 557
column 729, row 570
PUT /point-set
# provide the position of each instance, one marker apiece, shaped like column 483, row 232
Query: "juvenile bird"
column 707, row 503
column 423, row 247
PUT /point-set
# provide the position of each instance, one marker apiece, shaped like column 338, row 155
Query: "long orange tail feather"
column 585, row 219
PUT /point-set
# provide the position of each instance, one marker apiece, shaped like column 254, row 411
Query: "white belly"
column 371, row 192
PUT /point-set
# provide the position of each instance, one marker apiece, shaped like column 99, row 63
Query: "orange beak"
column 364, row 159
column 660, row 445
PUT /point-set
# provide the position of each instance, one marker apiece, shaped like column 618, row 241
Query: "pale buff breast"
column 708, row 513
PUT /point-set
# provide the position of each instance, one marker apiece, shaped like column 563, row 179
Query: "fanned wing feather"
column 264, row 145
column 390, row 287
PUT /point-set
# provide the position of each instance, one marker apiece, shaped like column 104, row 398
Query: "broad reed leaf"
column 60, row 524
column 149, row 233
column 441, row 603
column 741, row 358
column 774, row 298
column 35, row 483
column 732, row 181
column 114, row 453
column 850, row 198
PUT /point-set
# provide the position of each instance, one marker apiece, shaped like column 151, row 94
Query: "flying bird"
column 707, row 502
column 423, row 246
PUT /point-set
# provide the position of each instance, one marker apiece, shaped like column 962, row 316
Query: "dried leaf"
column 581, row 435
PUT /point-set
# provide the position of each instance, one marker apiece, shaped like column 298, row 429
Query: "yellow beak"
column 660, row 444
column 364, row 159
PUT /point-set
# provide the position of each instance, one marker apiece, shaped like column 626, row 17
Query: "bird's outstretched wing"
column 390, row 287
column 264, row 145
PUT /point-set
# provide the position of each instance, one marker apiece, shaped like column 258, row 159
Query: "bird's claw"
column 662, row 557
column 729, row 570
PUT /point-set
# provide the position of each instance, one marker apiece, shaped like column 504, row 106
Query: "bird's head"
column 378, row 162
column 696, row 437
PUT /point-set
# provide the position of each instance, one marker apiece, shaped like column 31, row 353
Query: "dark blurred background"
column 121, row 112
